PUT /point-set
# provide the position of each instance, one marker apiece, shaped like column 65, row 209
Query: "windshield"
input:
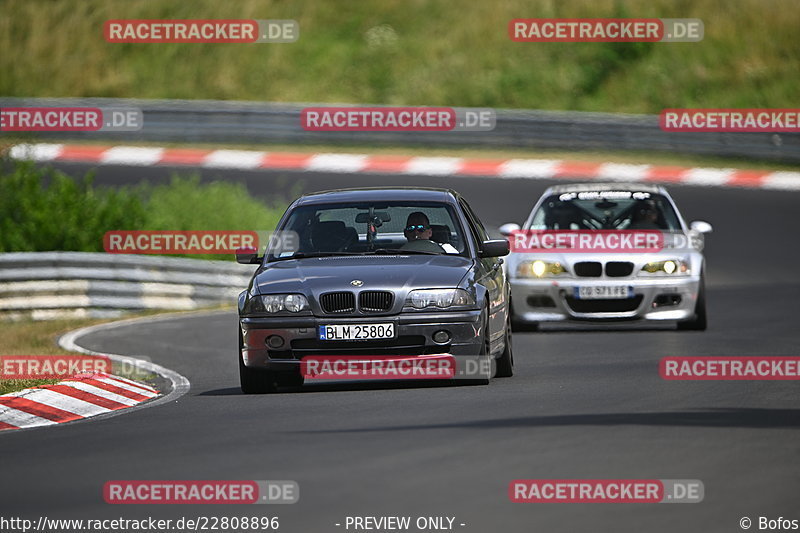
column 374, row 228
column 607, row 210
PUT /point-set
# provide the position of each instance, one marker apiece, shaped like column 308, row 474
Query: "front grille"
column 375, row 301
column 338, row 302
column 402, row 345
column 588, row 269
column 604, row 306
column 619, row 269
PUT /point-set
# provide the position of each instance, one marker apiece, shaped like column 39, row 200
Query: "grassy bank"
column 42, row 209
column 39, row 338
column 417, row 52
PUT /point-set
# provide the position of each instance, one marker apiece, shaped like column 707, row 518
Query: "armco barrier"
column 46, row 285
column 212, row 121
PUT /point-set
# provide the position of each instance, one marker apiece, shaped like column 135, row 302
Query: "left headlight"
column 539, row 269
column 276, row 303
column 443, row 298
column 669, row 267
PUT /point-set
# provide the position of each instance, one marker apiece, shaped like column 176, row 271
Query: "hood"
column 317, row 275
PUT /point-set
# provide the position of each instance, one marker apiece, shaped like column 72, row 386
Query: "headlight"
column 539, row 269
column 422, row 298
column 669, row 267
column 294, row 303
column 275, row 303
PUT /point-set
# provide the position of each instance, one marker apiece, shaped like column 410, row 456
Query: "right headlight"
column 669, row 267
column 276, row 303
column 442, row 298
column 539, row 269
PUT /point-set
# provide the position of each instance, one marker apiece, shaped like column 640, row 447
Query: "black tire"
column 505, row 364
column 259, row 381
column 484, row 353
column 256, row 381
column 290, row 379
column 700, row 321
column 522, row 327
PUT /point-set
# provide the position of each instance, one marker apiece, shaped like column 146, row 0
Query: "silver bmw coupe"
column 607, row 252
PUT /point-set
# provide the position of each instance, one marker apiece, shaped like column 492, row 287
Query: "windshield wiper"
column 379, row 251
column 308, row 255
column 399, row 251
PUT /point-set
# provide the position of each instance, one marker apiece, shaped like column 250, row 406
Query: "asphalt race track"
column 585, row 403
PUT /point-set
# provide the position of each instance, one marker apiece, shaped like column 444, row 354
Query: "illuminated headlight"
column 670, row 267
column 539, row 269
column 422, row 298
column 275, row 303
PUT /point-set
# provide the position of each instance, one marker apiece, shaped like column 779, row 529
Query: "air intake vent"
column 375, row 301
column 619, row 269
column 338, row 302
column 626, row 305
column 589, row 269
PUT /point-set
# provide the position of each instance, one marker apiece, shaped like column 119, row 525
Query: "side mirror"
column 248, row 256
column 508, row 229
column 494, row 248
column 701, row 226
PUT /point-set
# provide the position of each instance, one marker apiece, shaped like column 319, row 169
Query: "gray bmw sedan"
column 386, row 277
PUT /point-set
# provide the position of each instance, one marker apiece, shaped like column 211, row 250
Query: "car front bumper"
column 414, row 336
column 544, row 300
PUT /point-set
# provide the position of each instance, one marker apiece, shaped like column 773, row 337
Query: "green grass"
column 34, row 338
column 29, row 337
column 14, row 385
column 412, row 52
column 43, row 209
column 185, row 204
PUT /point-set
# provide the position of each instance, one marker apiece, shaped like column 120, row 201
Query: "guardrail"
column 44, row 285
column 254, row 122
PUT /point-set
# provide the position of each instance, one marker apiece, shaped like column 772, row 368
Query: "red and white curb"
column 69, row 400
column 407, row 165
column 75, row 398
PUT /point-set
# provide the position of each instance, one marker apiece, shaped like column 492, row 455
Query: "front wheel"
column 699, row 322
column 256, row 381
column 505, row 364
column 484, row 355
column 522, row 325
column 259, row 381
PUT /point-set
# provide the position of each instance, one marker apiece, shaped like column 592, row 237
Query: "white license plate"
column 604, row 292
column 356, row 332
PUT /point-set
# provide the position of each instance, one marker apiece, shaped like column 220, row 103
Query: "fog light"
column 275, row 341
column 667, row 299
column 441, row 337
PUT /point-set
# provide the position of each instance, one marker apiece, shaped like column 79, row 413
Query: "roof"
column 377, row 194
column 612, row 186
